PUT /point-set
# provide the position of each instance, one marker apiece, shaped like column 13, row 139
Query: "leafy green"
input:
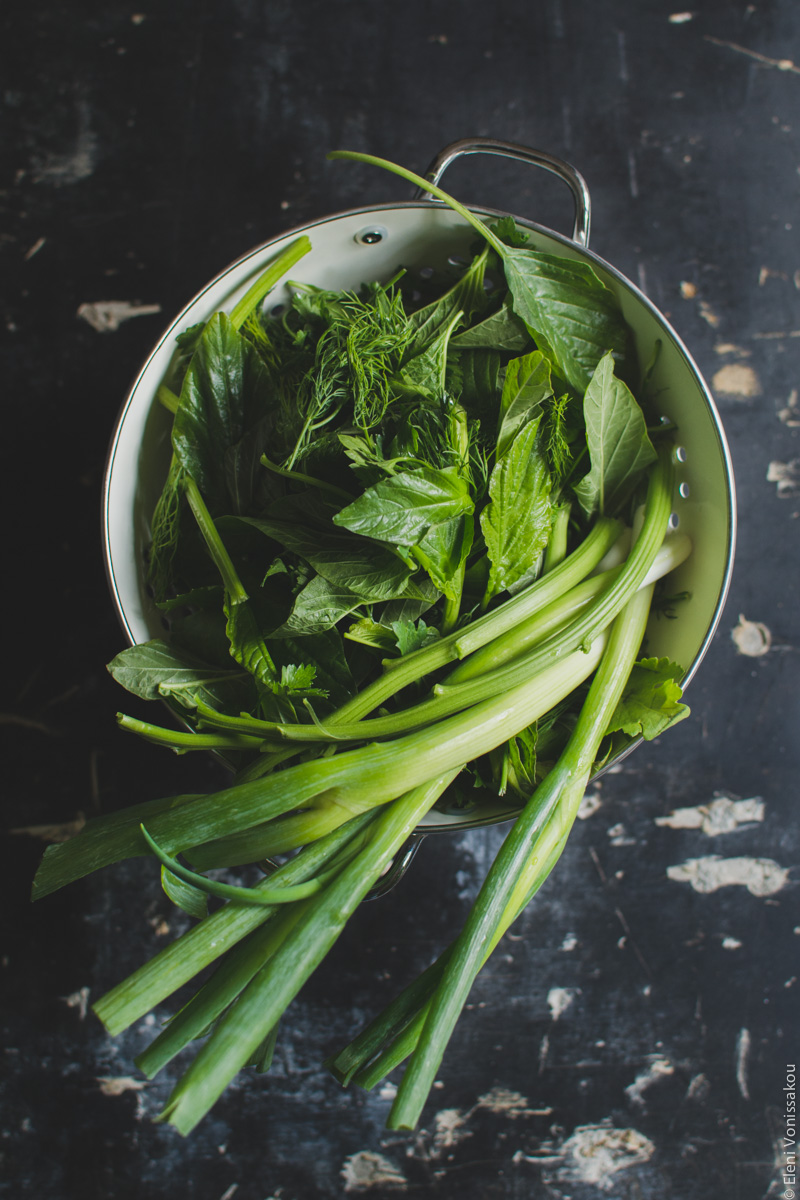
column 525, row 388
column 651, row 701
column 401, row 509
column 516, row 522
column 616, row 433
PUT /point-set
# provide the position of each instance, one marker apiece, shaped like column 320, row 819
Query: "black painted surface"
column 145, row 148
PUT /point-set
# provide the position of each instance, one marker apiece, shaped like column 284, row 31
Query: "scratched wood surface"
column 631, row 1038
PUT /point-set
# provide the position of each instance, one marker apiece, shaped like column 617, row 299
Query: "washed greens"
column 406, row 551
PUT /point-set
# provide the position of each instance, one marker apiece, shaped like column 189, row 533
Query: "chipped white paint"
column 708, row 314
column 366, row 1169
column 787, row 476
column 570, row 942
column 698, row 1088
column 388, row 1091
column 790, row 414
column 731, row 943
column 79, row 1000
column 107, row 315
column 722, row 815
column 594, row 1154
column 118, row 1085
column 658, row 1068
column 731, row 348
column 752, row 638
column 742, row 1052
column 589, row 806
column 618, row 836
column 761, row 876
column 559, row 1000
column 680, row 18
column 736, row 379
column 34, row 249
column 508, row 1103
column 450, row 1128
column 688, row 289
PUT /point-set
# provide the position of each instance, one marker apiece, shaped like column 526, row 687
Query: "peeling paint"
column 594, row 1154
column 731, row 348
column 736, row 379
column 731, row 943
column 722, row 815
column 589, row 806
column 761, row 876
column 366, row 1169
column 570, row 942
column 708, row 314
column 680, row 18
column 118, row 1085
column 79, row 1000
column 752, row 638
column 698, row 1088
column 790, row 415
column 450, row 1129
column 71, row 165
column 742, row 1052
column 509, row 1103
column 658, row 1068
column 787, row 477
column 107, row 315
column 559, row 1000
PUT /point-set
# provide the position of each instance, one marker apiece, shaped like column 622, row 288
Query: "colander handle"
column 537, row 158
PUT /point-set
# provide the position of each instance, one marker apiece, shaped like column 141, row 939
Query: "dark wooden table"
column 632, row 1038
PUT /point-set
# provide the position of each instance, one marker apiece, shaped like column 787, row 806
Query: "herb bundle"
column 406, row 551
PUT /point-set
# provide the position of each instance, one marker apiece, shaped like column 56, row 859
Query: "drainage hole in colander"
column 683, row 490
column 680, row 454
column 674, row 520
column 426, row 272
column 489, row 284
column 371, row 236
column 457, row 260
column 277, row 310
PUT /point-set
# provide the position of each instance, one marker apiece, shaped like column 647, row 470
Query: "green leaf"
column 525, row 388
column 188, row 898
column 248, row 646
column 223, row 403
column 425, row 373
column 154, row 670
column 516, row 522
column 651, row 701
column 401, row 509
column 573, row 316
column 442, row 552
column 467, row 296
column 413, row 635
column 500, row 331
column 616, row 434
column 372, row 572
column 318, row 607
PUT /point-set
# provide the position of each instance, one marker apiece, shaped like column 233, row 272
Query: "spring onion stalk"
column 508, row 878
column 268, row 279
column 203, row 943
column 245, row 1025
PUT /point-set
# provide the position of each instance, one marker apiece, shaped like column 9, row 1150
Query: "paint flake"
column 722, row 815
column 761, row 876
column 658, row 1068
column 106, row 316
column 559, row 1000
column 787, row 477
column 752, row 638
column 366, row 1169
column 736, row 379
column 594, row 1154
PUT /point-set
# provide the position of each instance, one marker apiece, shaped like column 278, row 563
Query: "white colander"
column 350, row 248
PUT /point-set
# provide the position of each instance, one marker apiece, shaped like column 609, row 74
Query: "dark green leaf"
column 500, row 331
column 651, row 703
column 572, row 315
column 401, row 509
column 155, row 670
column 616, row 434
column 222, row 404
column 443, row 550
column 516, row 522
column 525, row 388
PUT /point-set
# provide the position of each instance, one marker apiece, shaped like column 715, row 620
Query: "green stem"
column 268, row 279
column 181, row 741
column 243, row 1027
column 309, row 480
column 500, row 891
column 222, row 560
column 182, row 959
